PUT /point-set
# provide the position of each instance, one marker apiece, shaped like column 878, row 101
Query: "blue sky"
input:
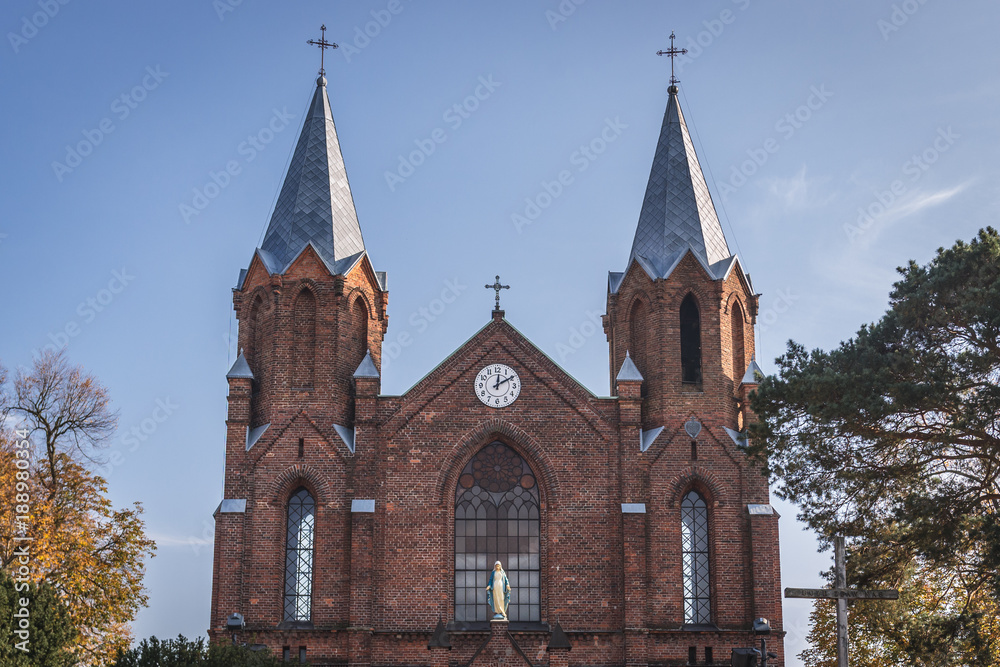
column 839, row 141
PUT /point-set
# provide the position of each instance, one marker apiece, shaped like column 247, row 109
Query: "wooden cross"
column 672, row 52
column 497, row 286
column 323, row 46
column 841, row 593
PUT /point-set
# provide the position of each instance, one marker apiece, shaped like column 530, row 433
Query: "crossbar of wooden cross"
column 841, row 593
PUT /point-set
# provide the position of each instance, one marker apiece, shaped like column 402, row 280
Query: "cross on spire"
column 323, row 46
column 497, row 286
column 673, row 53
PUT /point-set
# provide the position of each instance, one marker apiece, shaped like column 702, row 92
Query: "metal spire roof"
column 315, row 204
column 629, row 372
column 240, row 369
column 677, row 212
column 366, row 369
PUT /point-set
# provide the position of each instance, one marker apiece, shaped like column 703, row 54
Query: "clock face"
column 497, row 385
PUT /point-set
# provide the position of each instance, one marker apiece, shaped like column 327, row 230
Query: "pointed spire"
column 366, row 369
column 315, row 204
column 753, row 374
column 240, row 369
column 677, row 210
column 629, row 372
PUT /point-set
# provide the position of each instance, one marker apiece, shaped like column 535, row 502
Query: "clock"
column 497, row 385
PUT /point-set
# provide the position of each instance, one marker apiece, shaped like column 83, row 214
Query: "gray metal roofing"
column 677, row 210
column 240, row 369
column 315, row 192
column 366, row 369
column 629, row 372
column 753, row 374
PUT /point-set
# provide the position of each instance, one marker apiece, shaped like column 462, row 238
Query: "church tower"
column 310, row 306
column 701, row 548
column 312, row 316
column 683, row 310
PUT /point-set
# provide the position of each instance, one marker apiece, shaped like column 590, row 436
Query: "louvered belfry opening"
column 497, row 519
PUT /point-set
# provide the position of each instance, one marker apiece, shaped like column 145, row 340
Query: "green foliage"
column 893, row 439
column 182, row 652
column 50, row 629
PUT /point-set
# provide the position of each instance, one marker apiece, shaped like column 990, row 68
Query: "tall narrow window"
column 497, row 519
column 359, row 331
column 299, row 556
column 690, row 342
column 637, row 328
column 694, row 559
column 304, row 340
column 739, row 358
column 255, row 341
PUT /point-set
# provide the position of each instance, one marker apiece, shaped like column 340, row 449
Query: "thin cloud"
column 163, row 540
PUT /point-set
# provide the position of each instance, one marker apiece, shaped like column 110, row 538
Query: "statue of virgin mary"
column 498, row 591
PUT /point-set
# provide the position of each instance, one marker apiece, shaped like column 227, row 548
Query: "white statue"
column 498, row 591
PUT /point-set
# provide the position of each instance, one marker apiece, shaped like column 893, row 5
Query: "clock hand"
column 504, row 380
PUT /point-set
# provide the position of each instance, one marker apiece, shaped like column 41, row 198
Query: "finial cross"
column 497, row 286
column 323, row 46
column 673, row 53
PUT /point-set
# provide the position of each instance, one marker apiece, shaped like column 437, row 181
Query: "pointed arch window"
column 299, row 556
column 694, row 559
column 690, row 342
column 739, row 356
column 497, row 519
column 304, row 343
column 255, row 341
column 638, row 324
column 359, row 334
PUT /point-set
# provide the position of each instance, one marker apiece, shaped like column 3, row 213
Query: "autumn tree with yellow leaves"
column 55, row 420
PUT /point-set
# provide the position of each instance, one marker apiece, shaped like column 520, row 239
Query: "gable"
column 448, row 389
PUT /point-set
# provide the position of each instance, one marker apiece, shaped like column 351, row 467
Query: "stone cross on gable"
column 841, row 593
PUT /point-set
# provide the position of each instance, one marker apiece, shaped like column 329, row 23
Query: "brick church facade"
column 360, row 529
